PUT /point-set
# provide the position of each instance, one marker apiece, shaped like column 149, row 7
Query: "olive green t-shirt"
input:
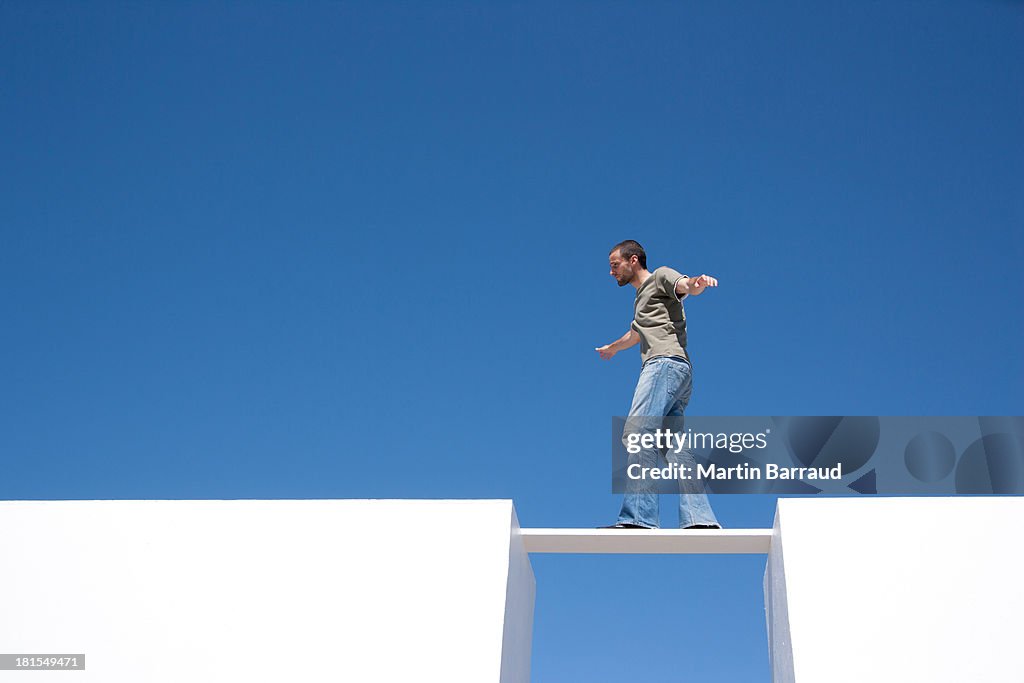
column 658, row 316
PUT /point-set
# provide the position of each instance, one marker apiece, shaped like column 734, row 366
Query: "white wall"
column 897, row 589
column 253, row 590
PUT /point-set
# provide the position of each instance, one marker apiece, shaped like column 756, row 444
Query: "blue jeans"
column 664, row 390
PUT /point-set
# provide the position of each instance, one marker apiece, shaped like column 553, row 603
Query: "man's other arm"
column 627, row 340
column 693, row 286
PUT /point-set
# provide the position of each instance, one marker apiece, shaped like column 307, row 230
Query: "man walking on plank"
column 663, row 390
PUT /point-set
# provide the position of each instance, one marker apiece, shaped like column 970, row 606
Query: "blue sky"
column 359, row 250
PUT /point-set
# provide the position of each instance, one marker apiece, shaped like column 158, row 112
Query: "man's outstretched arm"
column 694, row 285
column 629, row 339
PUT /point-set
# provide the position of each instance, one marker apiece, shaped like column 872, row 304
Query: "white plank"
column 647, row 541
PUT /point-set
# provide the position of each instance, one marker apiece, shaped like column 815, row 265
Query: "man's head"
column 625, row 260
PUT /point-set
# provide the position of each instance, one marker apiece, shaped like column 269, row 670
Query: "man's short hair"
column 631, row 248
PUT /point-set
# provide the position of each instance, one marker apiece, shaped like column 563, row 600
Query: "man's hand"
column 627, row 340
column 698, row 284
column 695, row 285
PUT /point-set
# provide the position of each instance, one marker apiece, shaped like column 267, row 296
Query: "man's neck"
column 640, row 277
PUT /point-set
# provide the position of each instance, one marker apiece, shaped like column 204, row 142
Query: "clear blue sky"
column 359, row 250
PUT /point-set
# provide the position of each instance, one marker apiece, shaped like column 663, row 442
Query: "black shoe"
column 624, row 525
column 703, row 526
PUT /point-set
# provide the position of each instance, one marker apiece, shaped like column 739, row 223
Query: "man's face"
column 622, row 270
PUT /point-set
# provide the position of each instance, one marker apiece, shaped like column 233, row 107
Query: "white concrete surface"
column 255, row 590
column 927, row 590
column 648, row 541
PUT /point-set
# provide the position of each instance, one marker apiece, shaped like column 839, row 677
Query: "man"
column 663, row 390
